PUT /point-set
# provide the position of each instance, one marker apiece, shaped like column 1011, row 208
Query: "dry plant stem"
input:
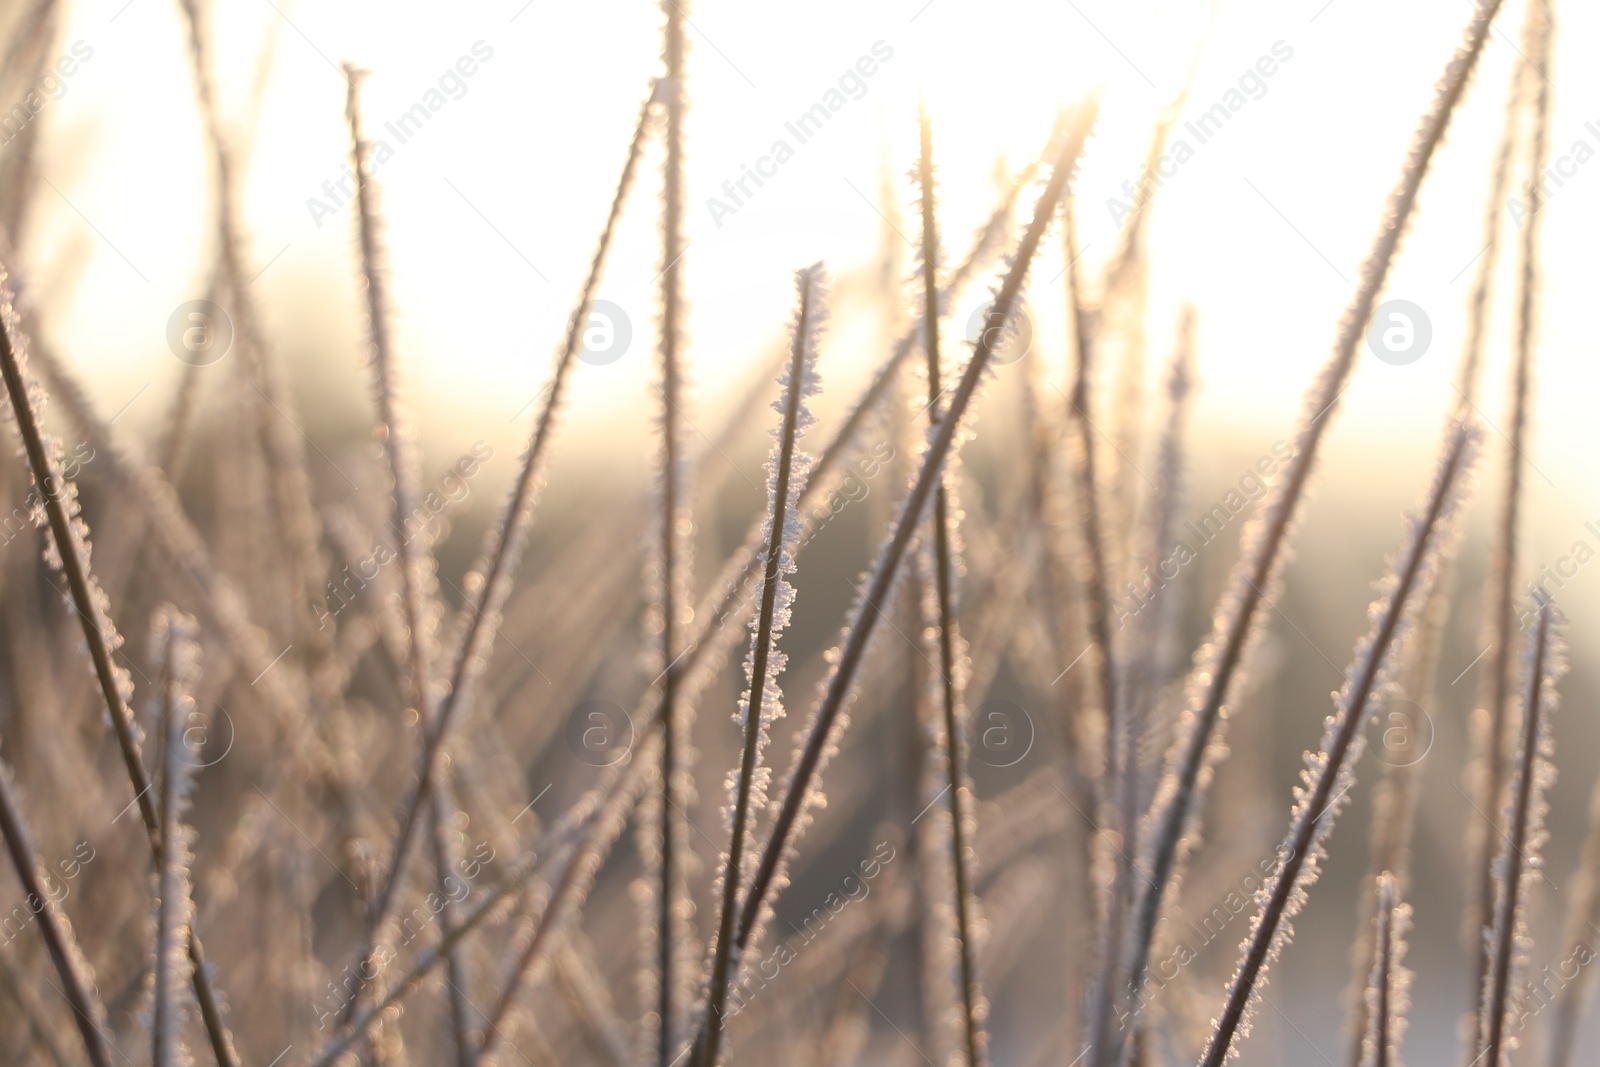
column 282, row 447
column 1216, row 665
column 611, row 803
column 710, row 624
column 1153, row 630
column 394, row 428
column 174, row 908
column 801, row 787
column 90, row 611
column 1583, row 919
column 1123, row 298
column 363, row 1021
column 33, row 1011
column 587, row 827
column 1143, row 671
column 1093, row 580
column 71, row 967
column 1514, row 859
column 670, row 899
column 1380, row 1017
column 706, row 1052
column 492, row 575
column 739, row 572
column 1385, row 993
column 1495, row 690
column 457, row 977
column 954, row 753
column 1317, row 803
column 180, row 419
column 591, row 1000
column 173, row 531
column 412, row 545
column 1483, row 277
column 742, row 568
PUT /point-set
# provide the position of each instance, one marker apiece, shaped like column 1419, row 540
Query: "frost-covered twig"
column 951, row 691
column 1330, row 772
column 69, row 553
column 818, row 736
column 1217, row 664
column 1495, row 690
column 77, row 979
column 763, row 700
column 1387, row 993
column 174, row 637
column 673, row 587
column 489, row 582
column 1544, row 662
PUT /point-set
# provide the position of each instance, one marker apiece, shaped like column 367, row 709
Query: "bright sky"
column 493, row 207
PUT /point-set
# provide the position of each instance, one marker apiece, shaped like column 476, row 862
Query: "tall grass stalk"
column 950, row 688
column 282, row 444
column 672, row 900
column 1543, row 664
column 412, row 541
column 1578, row 943
column 705, row 649
column 1387, row 990
column 1495, row 691
column 706, row 643
column 1235, row 625
column 1330, row 773
column 1093, row 575
column 1395, row 799
column 77, row 979
column 606, row 809
column 739, row 573
column 69, row 552
column 489, row 583
column 33, row 1011
column 817, row 739
column 589, row 824
column 762, row 702
column 175, row 638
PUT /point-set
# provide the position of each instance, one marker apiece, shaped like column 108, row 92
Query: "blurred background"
column 491, row 207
